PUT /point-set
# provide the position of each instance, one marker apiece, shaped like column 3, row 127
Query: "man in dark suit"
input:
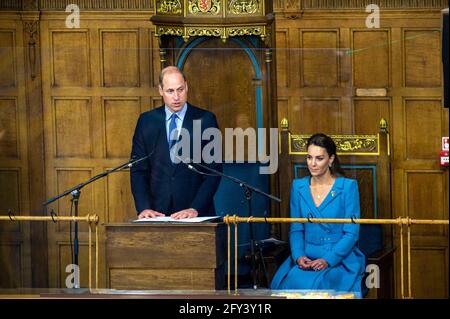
column 161, row 185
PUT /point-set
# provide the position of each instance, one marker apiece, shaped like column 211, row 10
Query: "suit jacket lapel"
column 188, row 119
column 305, row 193
column 187, row 124
column 335, row 192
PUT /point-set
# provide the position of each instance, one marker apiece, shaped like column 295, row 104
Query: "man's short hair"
column 169, row 69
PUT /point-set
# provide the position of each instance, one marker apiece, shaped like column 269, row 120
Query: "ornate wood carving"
column 240, row 7
column 30, row 5
column 11, row 4
column 172, row 7
column 345, row 144
column 31, row 28
column 211, row 7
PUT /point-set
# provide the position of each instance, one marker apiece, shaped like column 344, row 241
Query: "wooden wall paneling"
column 11, row 267
column 421, row 53
column 70, row 56
column 33, row 92
column 419, row 123
column 100, row 108
column 368, row 111
column 319, row 115
column 429, row 272
column 154, row 59
column 120, row 116
column 10, row 199
column 120, row 45
column 155, row 102
column 396, row 125
column 73, row 127
column 15, row 249
column 8, row 57
column 319, row 60
column 9, row 123
column 120, row 204
column 422, row 128
column 67, row 130
column 371, row 58
column 283, row 53
column 345, row 79
column 426, row 199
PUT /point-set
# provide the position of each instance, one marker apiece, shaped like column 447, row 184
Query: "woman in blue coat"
column 323, row 256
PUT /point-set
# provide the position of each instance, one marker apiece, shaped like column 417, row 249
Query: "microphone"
column 191, row 167
column 147, row 156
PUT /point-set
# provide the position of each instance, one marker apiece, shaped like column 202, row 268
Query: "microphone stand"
column 76, row 192
column 248, row 192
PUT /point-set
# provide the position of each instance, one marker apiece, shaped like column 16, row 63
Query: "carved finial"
column 383, row 125
column 268, row 55
column 284, row 124
column 162, row 55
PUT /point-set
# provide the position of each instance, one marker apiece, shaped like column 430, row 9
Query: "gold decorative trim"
column 187, row 32
column 359, row 145
column 175, row 31
column 241, row 31
column 170, row 7
column 202, row 7
column 243, row 7
column 199, row 32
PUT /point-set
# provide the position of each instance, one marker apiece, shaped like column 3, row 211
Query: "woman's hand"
column 303, row 262
column 318, row 264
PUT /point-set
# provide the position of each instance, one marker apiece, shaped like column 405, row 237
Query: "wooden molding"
column 290, row 6
column 83, row 4
column 280, row 6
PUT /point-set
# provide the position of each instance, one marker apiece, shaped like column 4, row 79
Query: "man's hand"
column 185, row 213
column 149, row 213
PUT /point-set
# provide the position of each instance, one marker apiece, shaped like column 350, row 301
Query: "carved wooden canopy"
column 217, row 18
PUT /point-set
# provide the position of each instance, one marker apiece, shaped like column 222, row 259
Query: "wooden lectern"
column 166, row 256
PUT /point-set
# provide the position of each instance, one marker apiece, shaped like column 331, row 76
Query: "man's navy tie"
column 172, row 126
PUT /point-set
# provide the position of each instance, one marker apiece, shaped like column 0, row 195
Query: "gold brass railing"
column 90, row 219
column 398, row 221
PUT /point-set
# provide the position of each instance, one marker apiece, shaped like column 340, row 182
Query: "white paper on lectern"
column 168, row 219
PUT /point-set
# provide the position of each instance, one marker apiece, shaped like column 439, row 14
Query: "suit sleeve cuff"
column 332, row 259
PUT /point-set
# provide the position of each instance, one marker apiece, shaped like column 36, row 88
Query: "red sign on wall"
column 445, row 145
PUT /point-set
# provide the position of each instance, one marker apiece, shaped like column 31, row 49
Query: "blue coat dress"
column 336, row 243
